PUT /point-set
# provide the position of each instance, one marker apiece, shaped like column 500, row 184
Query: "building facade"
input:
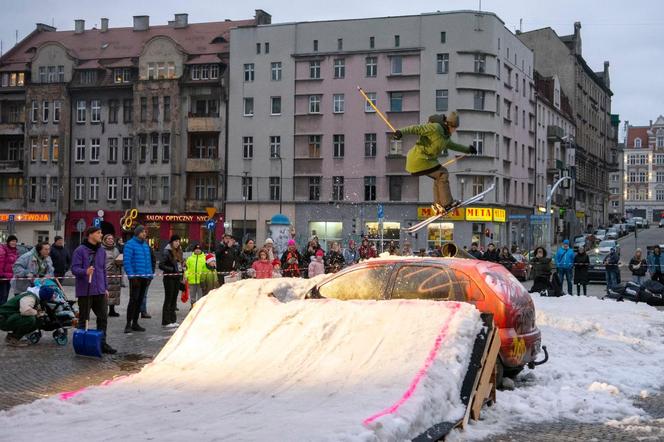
column 590, row 98
column 644, row 170
column 303, row 141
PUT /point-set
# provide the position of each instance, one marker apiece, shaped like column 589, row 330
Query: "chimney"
column 141, row 22
column 262, row 17
column 181, row 21
column 650, row 123
column 79, row 26
column 577, row 28
column 41, row 27
column 104, row 24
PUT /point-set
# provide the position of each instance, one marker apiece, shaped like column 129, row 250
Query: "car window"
column 425, row 282
column 608, row 243
column 363, row 283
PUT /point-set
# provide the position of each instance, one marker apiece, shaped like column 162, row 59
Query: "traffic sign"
column 11, row 218
column 80, row 225
column 100, row 213
column 381, row 213
column 210, row 224
column 96, row 222
column 210, row 211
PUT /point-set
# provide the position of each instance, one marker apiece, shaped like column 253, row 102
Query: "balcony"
column 554, row 133
column 308, row 166
column 11, row 167
column 197, row 165
column 204, row 124
column 12, row 129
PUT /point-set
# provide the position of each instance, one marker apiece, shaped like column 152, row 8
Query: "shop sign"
column 128, row 220
column 427, row 212
column 580, row 214
column 158, row 217
column 479, row 214
column 26, row 217
column 499, row 215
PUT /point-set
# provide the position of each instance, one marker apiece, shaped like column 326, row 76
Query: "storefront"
column 29, row 227
column 191, row 228
column 110, row 223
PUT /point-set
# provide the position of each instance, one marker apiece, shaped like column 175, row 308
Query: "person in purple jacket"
column 88, row 264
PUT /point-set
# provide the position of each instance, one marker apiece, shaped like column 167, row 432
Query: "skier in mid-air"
column 422, row 158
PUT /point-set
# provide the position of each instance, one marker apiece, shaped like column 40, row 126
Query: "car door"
column 364, row 283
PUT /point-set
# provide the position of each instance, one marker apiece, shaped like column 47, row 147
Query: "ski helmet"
column 437, row 118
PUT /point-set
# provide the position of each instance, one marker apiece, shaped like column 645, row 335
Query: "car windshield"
column 596, row 259
column 613, row 230
column 363, row 283
column 609, row 243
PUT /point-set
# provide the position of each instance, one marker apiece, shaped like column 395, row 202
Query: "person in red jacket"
column 367, row 250
column 262, row 266
column 291, row 261
column 8, row 256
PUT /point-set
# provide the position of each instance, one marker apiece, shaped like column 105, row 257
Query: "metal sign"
column 96, row 222
column 80, row 225
column 211, row 211
column 100, row 213
column 210, row 224
column 381, row 212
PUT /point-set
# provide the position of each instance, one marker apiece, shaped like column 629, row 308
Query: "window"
column 55, row 190
column 498, row 69
column 165, row 147
column 441, row 100
column 43, row 191
column 372, row 98
column 34, row 113
column 397, row 41
column 372, row 66
column 205, row 72
column 419, row 282
column 248, row 107
column 338, row 144
column 315, row 45
column 337, row 188
column 276, row 71
column 275, row 188
column 478, row 102
column 170, row 70
column 247, row 148
column 338, row 100
column 659, row 159
column 122, row 75
column 55, row 149
column 167, row 109
column 95, row 111
column 508, row 76
column 152, row 71
column 154, row 147
column 144, row 109
column 396, row 184
column 112, row 150
column 204, row 147
column 370, row 145
column 478, row 185
column 161, row 70
column 660, row 177
column 247, row 188
column 275, row 146
column 516, row 115
column 345, row 287
column 314, row 69
column 142, row 148
column 339, row 68
column 127, row 108
column 396, row 65
column 498, row 105
column 258, row 48
column 15, row 149
column 314, row 188
column 88, row 77
column 516, row 83
column 478, row 142
column 33, row 188
column 34, row 149
column 113, row 109
column 196, row 72
column 637, row 143
column 340, row 44
column 442, row 63
column 314, row 146
column 396, row 101
column 659, row 194
column 80, row 150
column 112, row 189
column 166, row 187
column 126, row 188
column 372, row 42
column 79, row 188
column 94, row 188
column 480, row 63
column 370, row 188
column 443, row 36
column 659, row 142
column 314, row 104
column 249, row 71
column 275, row 105
column 94, row 150
column 42, row 74
column 142, row 189
column 44, row 150
column 45, row 109
column 127, row 148
column 154, row 194
column 80, row 111
column 211, row 189
column 155, row 109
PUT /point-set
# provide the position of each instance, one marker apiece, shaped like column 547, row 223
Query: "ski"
column 433, row 218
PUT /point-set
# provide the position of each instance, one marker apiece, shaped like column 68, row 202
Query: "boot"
column 451, row 205
column 111, row 312
column 136, row 327
column 13, row 341
column 105, row 348
column 145, row 315
column 128, row 328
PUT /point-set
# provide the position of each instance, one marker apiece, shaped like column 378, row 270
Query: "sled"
column 88, row 342
column 433, row 218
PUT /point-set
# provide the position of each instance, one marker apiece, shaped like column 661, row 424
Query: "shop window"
column 326, row 231
column 437, row 233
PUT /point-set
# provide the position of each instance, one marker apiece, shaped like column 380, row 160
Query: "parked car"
column 489, row 286
column 639, row 222
column 622, row 229
column 631, row 225
column 579, row 241
column 600, row 234
column 661, row 223
column 597, row 270
column 612, row 233
column 604, row 247
column 521, row 268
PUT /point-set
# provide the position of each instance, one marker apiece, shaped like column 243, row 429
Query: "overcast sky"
column 625, row 33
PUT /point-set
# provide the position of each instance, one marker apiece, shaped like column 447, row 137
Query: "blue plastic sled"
column 88, row 342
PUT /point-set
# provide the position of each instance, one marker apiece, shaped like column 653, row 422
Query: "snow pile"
column 603, row 354
column 245, row 366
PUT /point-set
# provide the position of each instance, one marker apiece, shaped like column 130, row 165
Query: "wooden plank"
column 486, row 388
column 491, row 329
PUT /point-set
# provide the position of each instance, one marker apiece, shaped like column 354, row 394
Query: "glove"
column 472, row 150
column 397, row 135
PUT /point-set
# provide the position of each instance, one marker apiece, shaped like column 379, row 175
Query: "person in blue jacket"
column 656, row 265
column 565, row 265
column 138, row 267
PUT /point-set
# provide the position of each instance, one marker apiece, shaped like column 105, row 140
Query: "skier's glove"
column 472, row 150
column 397, row 135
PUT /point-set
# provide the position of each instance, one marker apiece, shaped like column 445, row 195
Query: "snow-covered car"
column 604, row 247
column 489, row 286
column 600, row 235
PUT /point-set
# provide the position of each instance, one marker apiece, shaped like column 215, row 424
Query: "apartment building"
column 644, row 170
column 304, row 142
column 590, row 98
column 117, row 119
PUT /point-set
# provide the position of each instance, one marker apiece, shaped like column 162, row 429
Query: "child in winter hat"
column 211, row 260
column 316, row 266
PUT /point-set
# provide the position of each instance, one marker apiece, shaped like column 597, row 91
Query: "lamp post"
column 281, row 179
column 244, row 198
column 549, row 194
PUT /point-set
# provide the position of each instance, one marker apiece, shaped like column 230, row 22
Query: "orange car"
column 487, row 285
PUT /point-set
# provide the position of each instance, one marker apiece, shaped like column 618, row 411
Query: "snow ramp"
column 247, row 366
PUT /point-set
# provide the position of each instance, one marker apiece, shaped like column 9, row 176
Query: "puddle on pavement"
column 132, row 361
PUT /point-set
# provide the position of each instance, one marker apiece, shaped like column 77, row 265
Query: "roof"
column 121, row 63
column 196, row 38
column 89, row 64
column 14, row 67
column 204, row 59
column 634, row 132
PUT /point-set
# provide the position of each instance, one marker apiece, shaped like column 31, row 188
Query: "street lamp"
column 549, row 194
column 244, row 198
column 281, row 183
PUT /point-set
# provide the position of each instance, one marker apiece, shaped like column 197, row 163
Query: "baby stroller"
column 60, row 315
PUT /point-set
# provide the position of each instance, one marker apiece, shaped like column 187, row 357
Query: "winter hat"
column 319, row 252
column 46, row 293
column 269, row 241
column 210, row 258
column 139, row 228
column 566, row 242
column 57, row 238
column 11, row 238
column 351, row 243
column 291, row 242
column 175, row 238
column 197, row 246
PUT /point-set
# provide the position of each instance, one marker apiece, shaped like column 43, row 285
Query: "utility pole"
column 244, row 197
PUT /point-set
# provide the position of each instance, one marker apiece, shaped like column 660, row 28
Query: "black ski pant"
column 137, row 289
column 658, row 276
column 99, row 305
column 171, row 290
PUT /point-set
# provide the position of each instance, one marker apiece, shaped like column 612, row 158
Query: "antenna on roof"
column 17, row 36
column 480, row 7
column 520, row 25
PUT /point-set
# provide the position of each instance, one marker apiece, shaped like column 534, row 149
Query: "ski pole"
column 454, row 160
column 380, row 114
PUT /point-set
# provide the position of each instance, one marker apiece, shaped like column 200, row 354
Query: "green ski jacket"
column 433, row 141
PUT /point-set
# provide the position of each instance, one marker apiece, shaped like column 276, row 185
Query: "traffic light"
column 562, row 211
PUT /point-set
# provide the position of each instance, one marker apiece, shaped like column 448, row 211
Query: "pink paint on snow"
column 70, row 394
column 420, row 374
